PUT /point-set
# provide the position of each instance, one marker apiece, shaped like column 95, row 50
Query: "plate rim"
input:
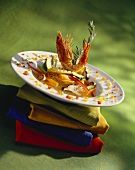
column 64, row 99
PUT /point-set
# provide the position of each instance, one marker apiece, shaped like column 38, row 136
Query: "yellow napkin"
column 85, row 114
column 44, row 115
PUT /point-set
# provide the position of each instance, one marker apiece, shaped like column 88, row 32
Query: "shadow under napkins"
column 8, row 131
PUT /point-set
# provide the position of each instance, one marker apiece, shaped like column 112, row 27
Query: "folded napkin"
column 28, row 135
column 85, row 114
column 42, row 114
column 20, row 110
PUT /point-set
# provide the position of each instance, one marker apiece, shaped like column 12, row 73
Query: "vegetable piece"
column 77, row 75
column 53, row 61
column 41, row 77
column 42, row 69
column 56, row 70
column 48, row 64
column 51, row 82
column 77, row 81
column 44, row 65
column 33, row 68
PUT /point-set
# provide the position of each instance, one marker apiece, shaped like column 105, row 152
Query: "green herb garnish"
column 78, row 52
column 91, row 31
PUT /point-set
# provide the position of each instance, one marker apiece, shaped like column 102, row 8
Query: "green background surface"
column 33, row 25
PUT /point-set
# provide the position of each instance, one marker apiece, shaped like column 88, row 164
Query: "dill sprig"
column 91, row 31
column 78, row 52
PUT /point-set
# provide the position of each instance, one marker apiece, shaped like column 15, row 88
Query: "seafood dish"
column 66, row 74
column 68, row 71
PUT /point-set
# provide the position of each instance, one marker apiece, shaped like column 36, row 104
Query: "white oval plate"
column 108, row 91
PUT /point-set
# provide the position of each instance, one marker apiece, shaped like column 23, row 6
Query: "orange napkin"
column 41, row 114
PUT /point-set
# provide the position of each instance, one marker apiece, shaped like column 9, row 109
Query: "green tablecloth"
column 33, row 25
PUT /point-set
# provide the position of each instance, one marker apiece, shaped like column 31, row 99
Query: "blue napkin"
column 20, row 110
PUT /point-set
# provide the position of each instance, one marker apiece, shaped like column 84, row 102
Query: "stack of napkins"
column 44, row 121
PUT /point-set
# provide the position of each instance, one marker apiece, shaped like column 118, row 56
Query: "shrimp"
column 65, row 54
column 64, row 50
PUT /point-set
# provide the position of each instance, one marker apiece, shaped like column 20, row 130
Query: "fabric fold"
column 85, row 114
column 20, row 110
column 28, row 135
column 43, row 115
